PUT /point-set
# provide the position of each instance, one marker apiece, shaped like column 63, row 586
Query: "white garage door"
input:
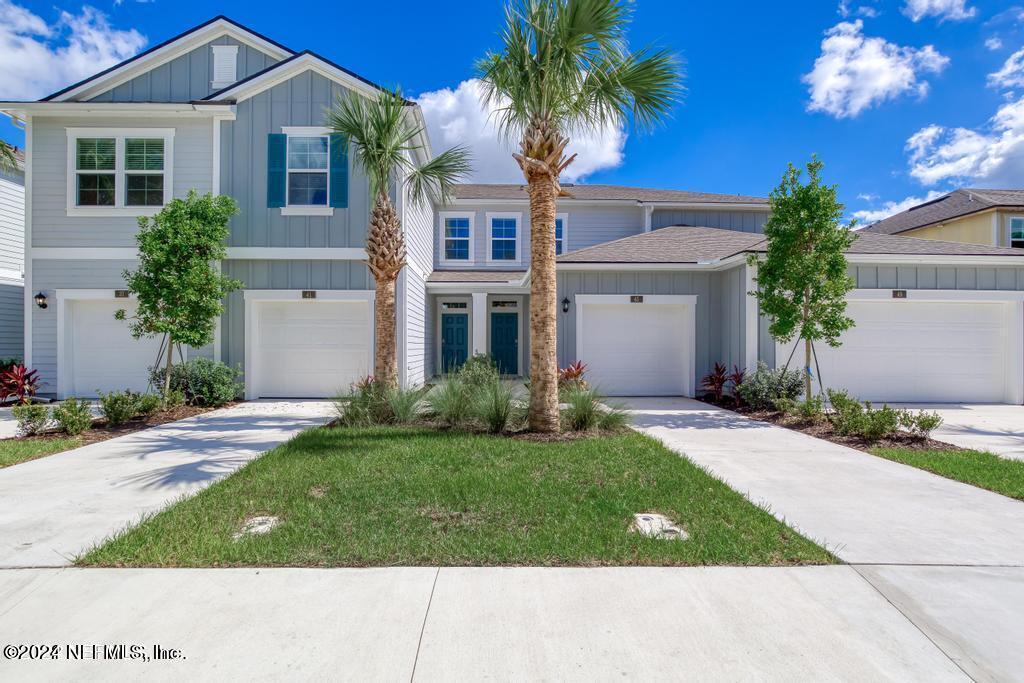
column 636, row 349
column 310, row 349
column 102, row 353
column 921, row 351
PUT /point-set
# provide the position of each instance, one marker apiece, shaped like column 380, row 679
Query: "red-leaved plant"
column 20, row 382
column 736, row 378
column 715, row 381
column 573, row 374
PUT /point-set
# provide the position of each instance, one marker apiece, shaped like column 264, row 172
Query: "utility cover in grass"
column 654, row 525
column 255, row 526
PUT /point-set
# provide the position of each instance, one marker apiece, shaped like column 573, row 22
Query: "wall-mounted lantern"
column 565, row 305
column 41, row 300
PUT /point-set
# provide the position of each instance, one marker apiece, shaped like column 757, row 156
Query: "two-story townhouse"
column 975, row 216
column 12, row 257
column 653, row 284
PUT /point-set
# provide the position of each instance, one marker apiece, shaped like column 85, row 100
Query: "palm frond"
column 436, row 179
column 8, row 162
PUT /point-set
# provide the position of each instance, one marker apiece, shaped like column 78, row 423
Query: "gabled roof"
column 706, row 245
column 947, row 207
column 606, row 192
column 167, row 50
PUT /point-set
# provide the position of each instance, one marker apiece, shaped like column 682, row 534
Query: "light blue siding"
column 743, row 221
column 12, row 320
column 187, row 77
column 299, row 101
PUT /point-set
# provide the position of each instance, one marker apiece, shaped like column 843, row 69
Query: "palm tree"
column 8, row 162
column 565, row 66
column 385, row 137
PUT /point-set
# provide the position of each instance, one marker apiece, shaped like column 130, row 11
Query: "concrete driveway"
column 994, row 428
column 948, row 555
column 53, row 508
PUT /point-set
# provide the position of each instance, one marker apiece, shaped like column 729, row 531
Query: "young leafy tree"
column 802, row 281
column 178, row 285
column 385, row 138
column 565, row 66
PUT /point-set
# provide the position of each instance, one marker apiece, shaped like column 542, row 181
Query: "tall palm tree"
column 8, row 162
column 565, row 66
column 385, row 137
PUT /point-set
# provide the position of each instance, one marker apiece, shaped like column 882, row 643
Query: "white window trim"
column 564, row 217
column 519, row 235
column 303, row 209
column 1009, row 228
column 119, row 135
column 441, row 217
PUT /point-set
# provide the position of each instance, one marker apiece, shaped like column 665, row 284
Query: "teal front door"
column 454, row 341
column 505, row 342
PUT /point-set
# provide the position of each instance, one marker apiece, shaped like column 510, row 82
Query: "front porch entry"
column 480, row 323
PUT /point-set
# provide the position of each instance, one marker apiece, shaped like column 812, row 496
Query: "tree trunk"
column 385, row 356
column 543, row 417
column 807, row 348
column 167, row 368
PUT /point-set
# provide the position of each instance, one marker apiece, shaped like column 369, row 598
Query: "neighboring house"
column 974, row 216
column 12, row 259
column 653, row 284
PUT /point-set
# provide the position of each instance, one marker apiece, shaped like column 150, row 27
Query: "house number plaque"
column 899, row 294
column 120, row 293
column 309, row 294
column 636, row 299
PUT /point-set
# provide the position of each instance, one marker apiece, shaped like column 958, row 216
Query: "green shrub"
column 450, row 403
column 761, row 389
column 494, row 406
column 405, row 405
column 32, row 418
column 149, row 404
column 73, row 415
column 366, row 404
column 119, row 406
column 850, row 417
column 479, row 371
column 920, row 424
column 784, row 405
column 172, row 398
column 847, row 413
column 879, row 422
column 203, row 382
column 813, row 410
column 582, row 411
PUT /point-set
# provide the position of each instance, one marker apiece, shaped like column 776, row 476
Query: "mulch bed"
column 101, row 431
column 823, row 430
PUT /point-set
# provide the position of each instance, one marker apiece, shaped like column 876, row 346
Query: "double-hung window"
column 457, row 237
column 503, row 237
column 561, row 224
column 308, row 170
column 118, row 171
column 1017, row 232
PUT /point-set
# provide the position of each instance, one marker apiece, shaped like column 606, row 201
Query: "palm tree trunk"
column 543, row 416
column 385, row 256
column 385, row 355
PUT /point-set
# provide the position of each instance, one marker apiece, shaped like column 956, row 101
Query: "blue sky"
column 900, row 98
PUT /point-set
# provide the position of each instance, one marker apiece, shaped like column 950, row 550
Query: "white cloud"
column 955, row 10
column 868, row 197
column 994, row 43
column 869, row 216
column 1012, row 73
column 854, row 72
column 37, row 59
column 457, row 117
column 862, row 11
column 992, row 155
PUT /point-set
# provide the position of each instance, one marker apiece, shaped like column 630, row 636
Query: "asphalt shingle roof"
column 605, row 192
column 953, row 205
column 476, row 276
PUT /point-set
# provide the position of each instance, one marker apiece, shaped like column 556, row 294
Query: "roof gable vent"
column 225, row 61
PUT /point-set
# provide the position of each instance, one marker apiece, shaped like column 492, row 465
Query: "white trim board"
column 234, row 253
column 293, row 67
column 255, row 296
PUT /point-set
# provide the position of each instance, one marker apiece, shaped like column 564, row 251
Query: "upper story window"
column 457, row 237
column 561, row 224
column 118, row 172
column 1017, row 232
column 307, row 170
column 503, row 235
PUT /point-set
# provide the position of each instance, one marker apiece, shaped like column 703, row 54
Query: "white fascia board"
column 950, row 260
column 21, row 110
column 169, row 52
column 301, row 64
column 705, row 206
column 718, row 264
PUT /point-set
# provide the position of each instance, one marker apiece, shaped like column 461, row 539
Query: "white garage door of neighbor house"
column 920, row 351
column 635, row 349
column 310, row 349
column 103, row 354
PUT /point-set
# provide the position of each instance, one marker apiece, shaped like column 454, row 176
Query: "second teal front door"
column 505, row 342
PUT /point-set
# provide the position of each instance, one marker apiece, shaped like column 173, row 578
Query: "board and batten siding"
column 914, row 276
column 186, row 78
column 299, row 101
column 742, row 221
column 52, row 227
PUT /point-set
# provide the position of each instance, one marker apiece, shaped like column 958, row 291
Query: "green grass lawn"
column 389, row 496
column 13, row 451
column 971, row 467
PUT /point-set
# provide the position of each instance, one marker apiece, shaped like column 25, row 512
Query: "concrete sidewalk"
column 724, row 623
column 53, row 508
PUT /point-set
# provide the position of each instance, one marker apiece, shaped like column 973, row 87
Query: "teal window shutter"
column 339, row 171
column 277, row 169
